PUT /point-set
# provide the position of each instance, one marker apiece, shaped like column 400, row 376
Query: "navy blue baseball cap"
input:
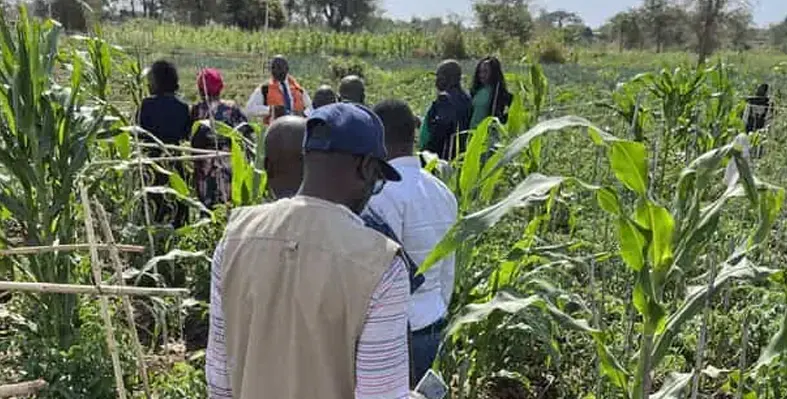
column 350, row 129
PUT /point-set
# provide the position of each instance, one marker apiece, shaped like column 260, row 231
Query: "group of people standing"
column 316, row 293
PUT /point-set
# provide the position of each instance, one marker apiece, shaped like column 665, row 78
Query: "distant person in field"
column 759, row 109
column 284, row 155
column 448, row 115
column 352, row 89
column 307, row 302
column 280, row 95
column 213, row 177
column 489, row 92
column 420, row 209
column 324, row 96
column 167, row 118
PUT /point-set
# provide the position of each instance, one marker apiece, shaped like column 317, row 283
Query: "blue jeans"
column 425, row 343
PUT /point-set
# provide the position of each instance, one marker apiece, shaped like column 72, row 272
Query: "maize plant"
column 46, row 133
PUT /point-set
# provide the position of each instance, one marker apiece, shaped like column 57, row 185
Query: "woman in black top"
column 167, row 118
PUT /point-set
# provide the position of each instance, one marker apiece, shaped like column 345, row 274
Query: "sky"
column 594, row 12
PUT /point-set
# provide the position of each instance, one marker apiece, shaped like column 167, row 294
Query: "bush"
column 340, row 67
column 551, row 51
column 451, row 42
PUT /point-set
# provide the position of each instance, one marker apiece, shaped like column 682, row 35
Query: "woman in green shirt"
column 489, row 92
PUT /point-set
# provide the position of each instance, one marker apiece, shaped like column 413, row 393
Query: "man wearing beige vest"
column 314, row 303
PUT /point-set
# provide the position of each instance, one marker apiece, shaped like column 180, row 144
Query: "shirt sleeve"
column 216, row 368
column 383, row 360
column 256, row 107
column 307, row 103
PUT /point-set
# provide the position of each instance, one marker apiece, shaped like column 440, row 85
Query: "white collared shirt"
column 420, row 209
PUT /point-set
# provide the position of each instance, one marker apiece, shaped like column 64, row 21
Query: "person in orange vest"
column 280, row 95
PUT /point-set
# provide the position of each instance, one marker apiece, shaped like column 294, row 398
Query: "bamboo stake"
column 22, row 388
column 183, row 149
column 695, row 384
column 145, row 201
column 159, row 159
column 95, row 264
column 103, row 290
column 744, row 346
column 114, row 255
column 68, row 248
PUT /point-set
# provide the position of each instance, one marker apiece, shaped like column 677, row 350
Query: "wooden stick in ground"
column 145, row 201
column 68, row 248
column 103, row 290
column 160, row 159
column 22, row 388
column 95, row 264
column 114, row 256
column 182, row 148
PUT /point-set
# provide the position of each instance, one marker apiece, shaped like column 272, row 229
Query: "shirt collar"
column 322, row 202
column 410, row 161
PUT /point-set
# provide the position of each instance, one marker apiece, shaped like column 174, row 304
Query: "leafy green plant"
column 46, row 132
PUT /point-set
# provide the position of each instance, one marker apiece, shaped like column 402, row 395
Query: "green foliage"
column 451, row 42
column 502, row 20
column 341, row 67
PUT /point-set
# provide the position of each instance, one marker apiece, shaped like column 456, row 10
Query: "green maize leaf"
column 471, row 167
column 771, row 201
column 489, row 184
column 123, row 144
column 178, row 184
column 632, row 244
column 169, row 191
column 169, row 257
column 658, row 220
column 508, row 303
column 516, row 115
column 240, row 169
column 741, row 269
column 673, row 386
column 534, row 187
column 522, row 142
column 645, row 302
column 776, row 347
column 629, row 162
column 608, row 201
column 610, row 366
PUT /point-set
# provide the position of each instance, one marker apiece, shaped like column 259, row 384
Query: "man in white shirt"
column 420, row 209
column 280, row 95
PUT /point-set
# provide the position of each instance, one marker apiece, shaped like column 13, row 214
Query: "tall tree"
column 656, row 17
column 709, row 15
column 778, row 35
column 252, row 14
column 560, row 18
column 738, row 28
column 627, row 29
column 504, row 19
column 346, row 15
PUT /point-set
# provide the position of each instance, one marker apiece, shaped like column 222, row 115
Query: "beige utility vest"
column 298, row 275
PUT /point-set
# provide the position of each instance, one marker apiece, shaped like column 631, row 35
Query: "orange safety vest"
column 275, row 97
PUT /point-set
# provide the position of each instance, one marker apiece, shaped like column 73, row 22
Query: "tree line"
column 658, row 25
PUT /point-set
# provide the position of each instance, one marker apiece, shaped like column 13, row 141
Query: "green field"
column 601, row 254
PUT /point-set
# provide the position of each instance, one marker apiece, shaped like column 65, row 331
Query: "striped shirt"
column 382, row 363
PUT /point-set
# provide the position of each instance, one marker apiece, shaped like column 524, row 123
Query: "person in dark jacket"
column 167, row 118
column 449, row 115
column 352, row 89
column 489, row 92
column 758, row 109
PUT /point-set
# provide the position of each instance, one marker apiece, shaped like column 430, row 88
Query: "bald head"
column 449, row 75
column 323, row 96
column 352, row 89
column 279, row 67
column 284, row 155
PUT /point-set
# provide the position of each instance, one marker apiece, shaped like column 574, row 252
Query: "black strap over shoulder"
column 264, row 90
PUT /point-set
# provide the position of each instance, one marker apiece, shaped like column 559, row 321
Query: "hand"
column 278, row 110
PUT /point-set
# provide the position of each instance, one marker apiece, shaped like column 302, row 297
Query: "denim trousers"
column 425, row 343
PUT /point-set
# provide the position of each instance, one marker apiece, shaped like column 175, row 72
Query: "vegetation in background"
column 632, row 252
